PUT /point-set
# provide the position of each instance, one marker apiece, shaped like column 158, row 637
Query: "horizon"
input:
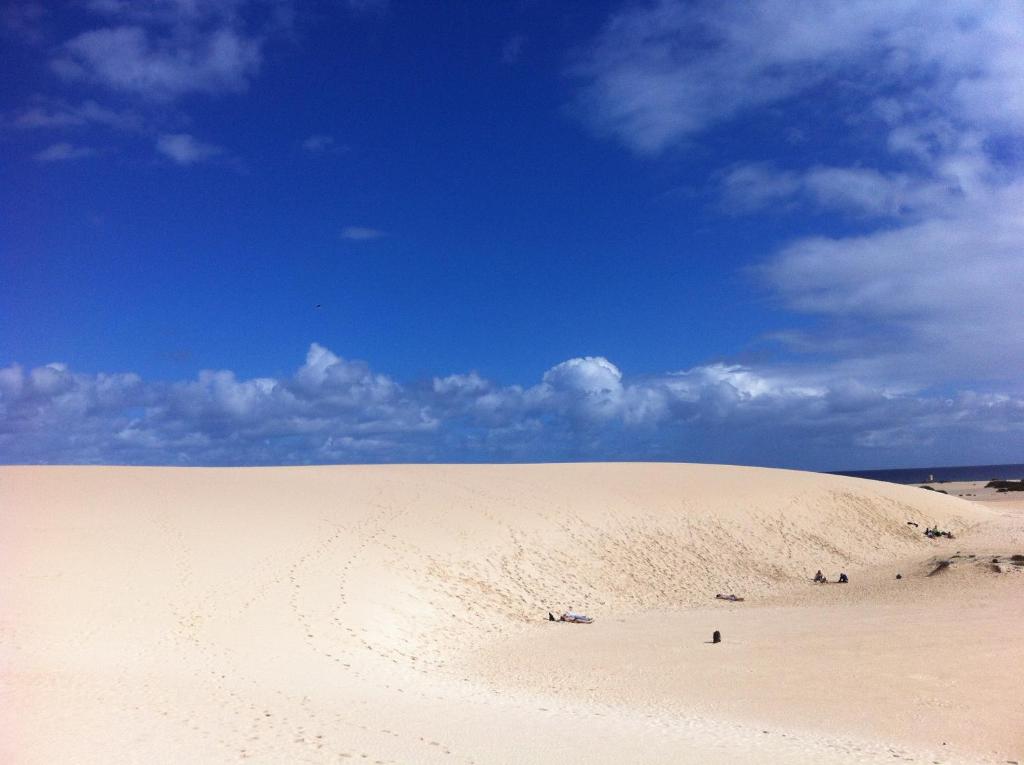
column 278, row 232
column 857, row 473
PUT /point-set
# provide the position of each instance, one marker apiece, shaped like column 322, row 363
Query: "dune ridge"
column 325, row 613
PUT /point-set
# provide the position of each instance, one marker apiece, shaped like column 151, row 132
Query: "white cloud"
column 667, row 71
column 56, row 114
column 920, row 95
column 334, row 409
column 186, row 150
column 591, row 375
column 60, row 152
column 460, row 384
column 589, row 388
column 858, row 191
column 939, row 288
column 164, row 49
column 128, row 59
column 150, row 55
column 319, row 143
column 756, row 185
column 167, row 11
column 361, row 233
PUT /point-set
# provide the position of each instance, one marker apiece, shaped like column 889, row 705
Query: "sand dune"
column 397, row 614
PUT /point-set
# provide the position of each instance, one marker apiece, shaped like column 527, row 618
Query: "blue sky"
column 277, row 231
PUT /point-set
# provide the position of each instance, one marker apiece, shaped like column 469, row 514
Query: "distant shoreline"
column 940, row 474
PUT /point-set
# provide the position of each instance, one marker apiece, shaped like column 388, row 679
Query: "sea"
column 939, row 474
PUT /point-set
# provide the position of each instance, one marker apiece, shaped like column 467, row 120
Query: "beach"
column 395, row 614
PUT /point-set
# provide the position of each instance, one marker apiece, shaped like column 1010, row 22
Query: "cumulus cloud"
column 183, row 149
column 63, row 151
column 335, row 409
column 460, row 384
column 589, row 388
column 51, row 414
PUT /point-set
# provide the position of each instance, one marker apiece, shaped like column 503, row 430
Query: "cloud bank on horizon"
column 905, row 334
column 337, row 410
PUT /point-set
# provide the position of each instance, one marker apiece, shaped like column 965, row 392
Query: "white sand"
column 395, row 614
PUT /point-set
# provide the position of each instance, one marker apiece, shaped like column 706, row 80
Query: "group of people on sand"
column 820, row 578
column 574, row 617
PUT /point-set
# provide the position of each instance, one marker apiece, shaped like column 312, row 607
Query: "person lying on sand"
column 731, row 597
column 570, row 616
column 575, row 618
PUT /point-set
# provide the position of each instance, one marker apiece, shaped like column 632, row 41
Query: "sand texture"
column 397, row 614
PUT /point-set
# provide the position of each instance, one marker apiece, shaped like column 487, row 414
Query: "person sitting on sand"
column 820, row 577
column 843, row 579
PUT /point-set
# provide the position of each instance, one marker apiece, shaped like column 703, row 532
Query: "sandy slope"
column 392, row 614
